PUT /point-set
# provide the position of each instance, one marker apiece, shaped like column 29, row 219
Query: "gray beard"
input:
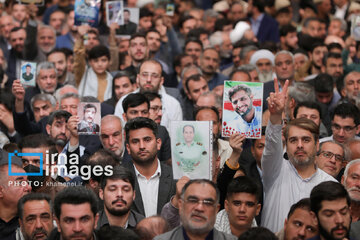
column 265, row 77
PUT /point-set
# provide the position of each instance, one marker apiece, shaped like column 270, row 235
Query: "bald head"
column 150, row 227
column 111, row 134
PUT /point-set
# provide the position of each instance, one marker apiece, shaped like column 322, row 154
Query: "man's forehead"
column 47, row 71
column 308, row 110
column 195, row 188
column 263, row 60
column 35, row 205
column 343, row 121
column 294, row 131
column 331, row 146
column 138, row 40
column 39, row 103
column 82, row 209
column 150, row 67
column 353, row 76
column 60, row 120
column 118, row 182
column 334, row 205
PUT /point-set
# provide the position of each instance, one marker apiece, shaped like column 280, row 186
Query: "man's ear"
column 101, row 194
column 258, row 208
column 57, row 223
column 48, row 127
column 358, row 129
column 226, row 205
column 128, row 148
column 124, row 116
column 96, row 220
column 158, row 142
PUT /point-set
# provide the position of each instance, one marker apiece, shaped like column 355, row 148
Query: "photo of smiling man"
column 91, row 116
column 242, row 109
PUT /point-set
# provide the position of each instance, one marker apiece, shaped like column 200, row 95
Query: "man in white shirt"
column 150, row 79
column 286, row 182
column 143, row 143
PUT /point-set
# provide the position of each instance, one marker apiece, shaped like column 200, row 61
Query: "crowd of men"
column 300, row 180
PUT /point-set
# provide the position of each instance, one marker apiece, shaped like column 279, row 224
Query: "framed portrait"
column 87, row 12
column 28, row 74
column 130, row 23
column 242, row 109
column 114, row 12
column 191, row 149
column 90, row 118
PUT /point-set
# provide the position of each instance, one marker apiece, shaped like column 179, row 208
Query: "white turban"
column 261, row 54
column 238, row 32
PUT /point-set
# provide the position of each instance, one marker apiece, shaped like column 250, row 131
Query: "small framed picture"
column 242, row 109
column 28, row 74
column 130, row 23
column 170, row 9
column 191, row 149
column 114, row 12
column 90, row 117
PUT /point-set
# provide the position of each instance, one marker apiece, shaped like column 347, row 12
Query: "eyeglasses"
column 329, row 155
column 156, row 109
column 347, row 129
column 152, row 75
column 193, row 201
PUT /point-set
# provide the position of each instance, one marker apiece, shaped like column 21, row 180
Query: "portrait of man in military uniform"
column 88, row 125
column 191, row 149
column 27, row 73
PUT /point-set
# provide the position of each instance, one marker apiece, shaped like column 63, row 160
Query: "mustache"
column 198, row 214
column 119, row 200
column 37, row 231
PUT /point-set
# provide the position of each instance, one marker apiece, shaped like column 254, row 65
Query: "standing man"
column 331, row 204
column 118, row 193
column 75, row 210
column 282, row 177
column 142, row 144
column 198, row 206
column 35, row 216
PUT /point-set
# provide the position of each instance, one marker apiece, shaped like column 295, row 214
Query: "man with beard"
column 17, row 42
column 222, row 43
column 248, row 116
column 264, row 61
column 87, row 124
column 118, row 193
column 35, row 216
column 209, row 64
column 157, row 50
column 331, row 204
column 281, row 177
column 154, row 184
column 40, row 41
column 198, row 206
column 56, row 128
column 138, row 51
column 333, row 65
column 150, row 79
column 59, row 59
column 351, row 88
column 129, row 27
column 319, row 50
column 288, row 38
column 351, row 182
column 111, row 135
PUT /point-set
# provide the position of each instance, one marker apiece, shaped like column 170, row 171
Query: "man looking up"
column 142, row 143
column 331, row 204
column 281, row 177
column 118, row 193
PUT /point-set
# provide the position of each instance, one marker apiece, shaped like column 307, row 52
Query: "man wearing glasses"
column 150, row 79
column 198, row 206
column 331, row 158
column 345, row 123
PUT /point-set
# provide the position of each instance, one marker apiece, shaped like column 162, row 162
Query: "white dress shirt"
column 171, row 108
column 283, row 186
column 149, row 189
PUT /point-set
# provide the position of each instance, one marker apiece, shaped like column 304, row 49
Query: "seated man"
column 241, row 206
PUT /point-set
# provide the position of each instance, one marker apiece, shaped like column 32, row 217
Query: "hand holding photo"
column 90, row 115
column 242, row 109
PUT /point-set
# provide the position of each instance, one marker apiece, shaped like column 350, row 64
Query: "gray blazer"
column 177, row 234
column 167, row 188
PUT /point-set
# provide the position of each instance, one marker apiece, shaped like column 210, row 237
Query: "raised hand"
column 19, row 92
column 276, row 102
column 236, row 142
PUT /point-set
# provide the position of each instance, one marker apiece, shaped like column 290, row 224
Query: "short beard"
column 328, row 236
column 196, row 230
column 145, row 162
column 116, row 212
column 296, row 162
column 265, row 77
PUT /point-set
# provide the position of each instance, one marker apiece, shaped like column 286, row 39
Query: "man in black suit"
column 154, row 184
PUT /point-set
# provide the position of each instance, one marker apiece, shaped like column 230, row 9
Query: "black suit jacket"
column 167, row 188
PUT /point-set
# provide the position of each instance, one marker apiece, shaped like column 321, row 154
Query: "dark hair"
column 57, row 50
column 331, row 55
column 323, row 83
column 138, row 123
column 196, row 33
column 99, row 51
column 183, row 19
column 126, row 10
column 152, row 30
column 327, row 191
column 119, row 173
column 136, row 35
column 108, row 232
column 68, row 52
column 334, row 45
column 188, row 125
column 178, row 58
column 302, row 204
column 220, row 23
column 258, row 233
column 305, row 124
column 134, row 100
column 212, row 108
column 236, row 70
column 195, row 78
column 36, row 141
column 121, row 74
column 58, row 114
column 32, row 197
column 243, row 184
column 260, row 5
column 151, row 95
column 310, row 19
column 89, row 105
column 15, row 29
column 145, row 12
column 75, row 196
column 195, row 40
column 101, row 158
column 317, row 44
column 285, row 30
column 201, row 181
column 347, row 110
column 308, row 104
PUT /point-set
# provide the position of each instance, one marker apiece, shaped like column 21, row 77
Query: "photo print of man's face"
column 241, row 100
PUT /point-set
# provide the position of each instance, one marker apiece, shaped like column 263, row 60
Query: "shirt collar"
column 260, row 17
column 306, row 179
column 156, row 174
column 210, row 236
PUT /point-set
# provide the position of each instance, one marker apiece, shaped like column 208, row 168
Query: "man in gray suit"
column 198, row 206
column 154, row 185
